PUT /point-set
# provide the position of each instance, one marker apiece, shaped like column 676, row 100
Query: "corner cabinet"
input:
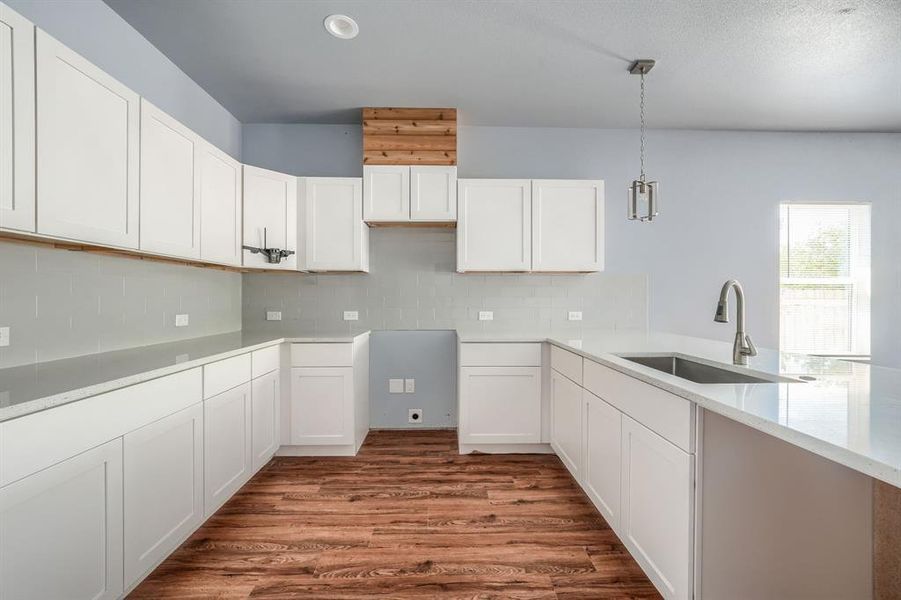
column 333, row 235
column 270, row 216
column 567, row 225
column 494, row 228
column 88, row 128
column 17, row 130
column 220, row 206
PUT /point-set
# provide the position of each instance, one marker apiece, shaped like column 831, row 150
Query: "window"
column 824, row 268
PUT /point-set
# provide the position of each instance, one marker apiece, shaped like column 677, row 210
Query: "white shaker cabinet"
column 220, row 206
column 567, row 225
column 270, row 215
column 500, row 405
column 494, row 225
column 656, row 519
column 163, row 488
column 226, row 445
column 401, row 194
column 566, row 422
column 17, row 133
column 170, row 187
column 386, row 193
column 433, row 193
column 322, row 408
column 603, row 451
column 334, row 237
column 265, row 400
column 87, row 150
column 61, row 529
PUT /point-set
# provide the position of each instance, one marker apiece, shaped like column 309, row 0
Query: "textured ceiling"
column 721, row 64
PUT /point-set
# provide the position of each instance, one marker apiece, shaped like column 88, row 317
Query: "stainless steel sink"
column 699, row 372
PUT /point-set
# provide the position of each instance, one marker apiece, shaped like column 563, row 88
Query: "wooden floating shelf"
column 410, row 136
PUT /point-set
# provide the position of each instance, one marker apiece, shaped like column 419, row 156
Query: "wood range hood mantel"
column 410, row 136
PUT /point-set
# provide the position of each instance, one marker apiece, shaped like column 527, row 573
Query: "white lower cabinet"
column 566, row 422
column 226, row 445
column 603, row 456
column 322, row 410
column 163, row 488
column 500, row 405
column 656, row 525
column 264, row 400
column 61, row 529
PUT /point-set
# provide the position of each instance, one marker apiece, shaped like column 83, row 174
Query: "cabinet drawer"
column 225, row 374
column 666, row 414
column 321, row 355
column 500, row 355
column 265, row 360
column 567, row 363
column 37, row 441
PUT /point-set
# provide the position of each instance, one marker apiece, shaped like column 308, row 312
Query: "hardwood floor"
column 407, row 517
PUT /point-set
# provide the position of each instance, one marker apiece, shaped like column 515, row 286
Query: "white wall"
column 719, row 219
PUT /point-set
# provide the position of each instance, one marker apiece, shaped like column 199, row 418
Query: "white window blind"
column 824, row 266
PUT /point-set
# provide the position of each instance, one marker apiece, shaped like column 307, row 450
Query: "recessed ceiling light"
column 341, row 26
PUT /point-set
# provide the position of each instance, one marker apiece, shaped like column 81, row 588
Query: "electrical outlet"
column 273, row 315
column 575, row 315
column 486, row 315
column 4, row 336
column 181, row 320
column 414, row 415
column 351, row 315
column 395, row 386
column 410, row 386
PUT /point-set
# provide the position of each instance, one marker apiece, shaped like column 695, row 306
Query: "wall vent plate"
column 414, row 415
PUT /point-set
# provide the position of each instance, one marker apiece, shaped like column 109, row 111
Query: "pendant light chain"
column 642, row 126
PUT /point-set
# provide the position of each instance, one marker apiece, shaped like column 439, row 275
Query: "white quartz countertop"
column 850, row 413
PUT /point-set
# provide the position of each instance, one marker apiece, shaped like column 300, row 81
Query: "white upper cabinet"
column 433, row 193
column 400, row 194
column 220, row 205
column 494, row 229
column 334, row 237
column 16, row 121
column 170, row 187
column 270, row 215
column 386, row 194
column 567, row 225
column 88, row 127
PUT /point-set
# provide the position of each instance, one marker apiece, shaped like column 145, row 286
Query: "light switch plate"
column 395, row 386
column 181, row 320
column 486, row 315
column 4, row 336
column 351, row 315
column 575, row 315
column 274, row 315
column 410, row 386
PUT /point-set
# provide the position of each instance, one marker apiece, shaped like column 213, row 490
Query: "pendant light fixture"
column 642, row 193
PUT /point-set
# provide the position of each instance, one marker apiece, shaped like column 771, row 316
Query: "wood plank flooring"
column 407, row 517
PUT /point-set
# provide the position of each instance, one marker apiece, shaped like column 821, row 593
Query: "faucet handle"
column 750, row 349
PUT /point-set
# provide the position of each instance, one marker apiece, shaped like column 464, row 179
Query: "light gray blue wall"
column 429, row 357
column 98, row 33
column 719, row 218
column 312, row 150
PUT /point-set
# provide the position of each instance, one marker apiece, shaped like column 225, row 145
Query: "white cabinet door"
column 386, row 194
column 500, row 405
column 567, row 225
column 61, row 529
column 433, row 193
column 494, row 225
column 227, row 461
column 335, row 237
column 566, row 422
column 170, row 195
column 657, row 507
column 16, row 121
column 270, row 215
column 322, row 406
column 264, row 398
column 220, row 205
column 603, row 463
column 87, row 150
column 163, row 488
